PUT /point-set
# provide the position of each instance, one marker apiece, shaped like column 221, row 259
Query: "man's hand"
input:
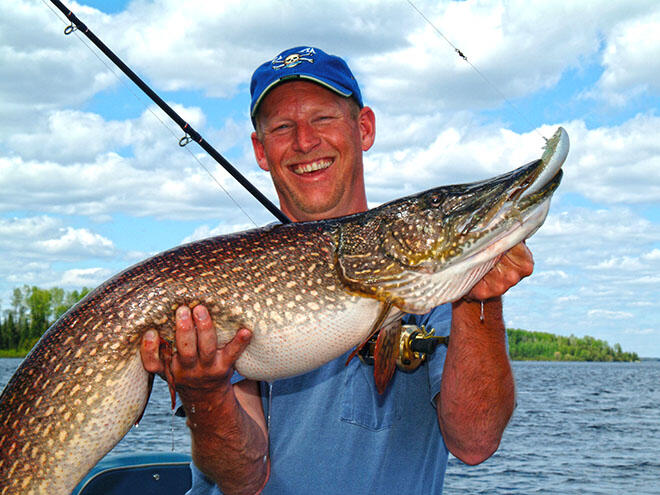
column 198, row 365
column 514, row 265
column 227, row 423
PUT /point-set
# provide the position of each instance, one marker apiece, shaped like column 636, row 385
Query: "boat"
column 145, row 473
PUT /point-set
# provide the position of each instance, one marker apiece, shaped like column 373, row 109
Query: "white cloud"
column 72, row 241
column 588, row 229
column 83, row 277
column 47, row 173
column 608, row 314
column 622, row 263
column 616, row 164
column 70, row 136
column 609, row 165
column 653, row 255
column 32, row 246
column 453, row 155
column 40, row 68
column 552, row 276
column 44, row 237
column 630, row 58
column 205, row 231
column 398, row 57
column 642, row 304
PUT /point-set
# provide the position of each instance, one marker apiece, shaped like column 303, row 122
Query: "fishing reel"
column 415, row 344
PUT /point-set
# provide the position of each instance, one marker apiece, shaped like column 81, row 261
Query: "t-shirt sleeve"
column 201, row 485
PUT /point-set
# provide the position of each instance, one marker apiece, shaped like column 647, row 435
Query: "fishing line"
column 190, row 133
column 481, row 74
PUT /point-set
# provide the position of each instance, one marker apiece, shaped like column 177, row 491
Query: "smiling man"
column 311, row 142
column 329, row 431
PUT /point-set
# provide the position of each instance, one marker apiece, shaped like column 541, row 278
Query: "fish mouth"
column 516, row 204
column 554, row 155
column 535, row 182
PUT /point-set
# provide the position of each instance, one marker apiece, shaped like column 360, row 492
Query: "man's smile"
column 313, row 166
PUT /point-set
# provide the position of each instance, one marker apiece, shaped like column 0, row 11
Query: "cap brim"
column 331, row 86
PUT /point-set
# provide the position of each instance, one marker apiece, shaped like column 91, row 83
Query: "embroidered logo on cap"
column 293, row 59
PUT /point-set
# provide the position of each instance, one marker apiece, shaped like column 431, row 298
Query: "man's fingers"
column 207, row 342
column 198, row 361
column 520, row 259
column 514, row 265
column 186, row 337
column 232, row 351
column 149, row 352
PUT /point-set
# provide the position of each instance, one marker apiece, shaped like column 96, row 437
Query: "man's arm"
column 227, row 424
column 477, row 394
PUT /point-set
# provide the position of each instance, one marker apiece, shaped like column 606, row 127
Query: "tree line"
column 32, row 310
column 541, row 346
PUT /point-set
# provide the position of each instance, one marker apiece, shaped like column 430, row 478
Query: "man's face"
column 311, row 142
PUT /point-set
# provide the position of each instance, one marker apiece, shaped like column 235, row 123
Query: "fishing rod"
column 190, row 133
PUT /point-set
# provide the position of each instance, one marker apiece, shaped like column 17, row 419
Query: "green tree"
column 525, row 345
column 32, row 311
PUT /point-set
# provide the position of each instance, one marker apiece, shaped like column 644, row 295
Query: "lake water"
column 579, row 428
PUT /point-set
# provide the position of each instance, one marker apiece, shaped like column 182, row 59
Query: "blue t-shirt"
column 332, row 433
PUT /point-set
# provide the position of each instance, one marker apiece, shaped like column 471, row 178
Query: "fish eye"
column 435, row 200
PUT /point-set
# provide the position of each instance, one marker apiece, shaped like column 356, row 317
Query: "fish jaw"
column 556, row 151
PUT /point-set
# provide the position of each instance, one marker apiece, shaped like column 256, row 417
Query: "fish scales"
column 300, row 292
column 308, row 291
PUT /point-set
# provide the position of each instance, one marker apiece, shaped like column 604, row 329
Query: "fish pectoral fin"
column 386, row 354
column 386, row 306
column 150, row 387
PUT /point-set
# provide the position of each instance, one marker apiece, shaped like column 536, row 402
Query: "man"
column 329, row 431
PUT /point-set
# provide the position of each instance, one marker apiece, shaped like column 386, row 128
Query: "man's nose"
column 306, row 138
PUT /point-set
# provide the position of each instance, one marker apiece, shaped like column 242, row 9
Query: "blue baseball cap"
column 304, row 62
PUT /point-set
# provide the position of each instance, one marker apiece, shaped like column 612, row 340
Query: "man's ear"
column 259, row 152
column 367, row 123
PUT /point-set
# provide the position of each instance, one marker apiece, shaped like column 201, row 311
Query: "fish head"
column 466, row 226
column 447, row 224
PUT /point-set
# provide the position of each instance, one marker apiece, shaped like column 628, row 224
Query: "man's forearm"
column 227, row 444
column 477, row 394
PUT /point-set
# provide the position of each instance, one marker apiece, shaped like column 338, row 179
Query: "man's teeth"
column 312, row 167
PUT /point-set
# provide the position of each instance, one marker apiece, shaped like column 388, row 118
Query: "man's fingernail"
column 150, row 336
column 183, row 313
column 201, row 314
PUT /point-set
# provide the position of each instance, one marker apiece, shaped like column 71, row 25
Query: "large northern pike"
column 308, row 291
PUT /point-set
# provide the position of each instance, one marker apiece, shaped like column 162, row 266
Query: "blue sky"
column 93, row 180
